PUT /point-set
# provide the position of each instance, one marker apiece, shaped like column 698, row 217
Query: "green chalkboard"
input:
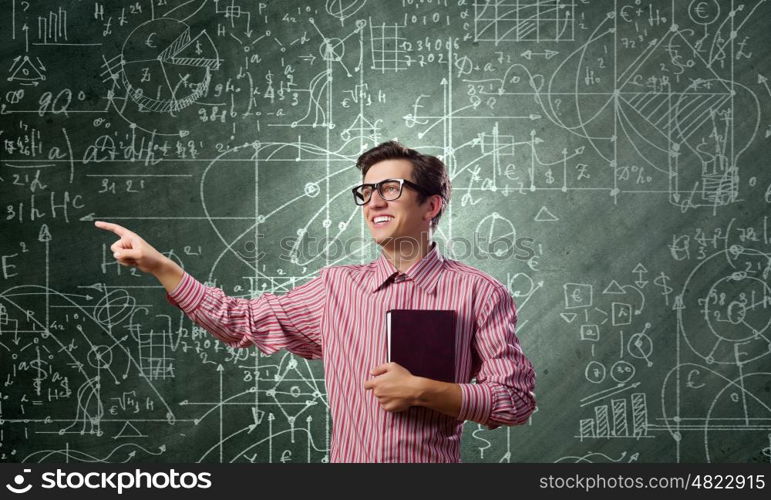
column 625, row 142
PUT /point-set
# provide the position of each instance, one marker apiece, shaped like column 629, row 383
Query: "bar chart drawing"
column 612, row 420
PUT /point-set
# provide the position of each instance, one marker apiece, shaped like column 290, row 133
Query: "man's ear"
column 436, row 206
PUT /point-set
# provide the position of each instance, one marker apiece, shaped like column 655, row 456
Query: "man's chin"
column 383, row 239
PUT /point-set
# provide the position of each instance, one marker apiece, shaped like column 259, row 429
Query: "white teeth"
column 382, row 219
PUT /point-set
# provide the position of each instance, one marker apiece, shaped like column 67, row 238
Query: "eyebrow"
column 384, row 178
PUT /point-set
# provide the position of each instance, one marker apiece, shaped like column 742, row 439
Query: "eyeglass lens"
column 389, row 190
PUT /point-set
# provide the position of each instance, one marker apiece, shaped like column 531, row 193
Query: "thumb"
column 126, row 253
column 379, row 370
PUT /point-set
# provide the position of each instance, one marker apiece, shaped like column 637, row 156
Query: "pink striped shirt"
column 339, row 316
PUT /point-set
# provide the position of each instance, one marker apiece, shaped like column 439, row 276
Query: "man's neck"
column 406, row 253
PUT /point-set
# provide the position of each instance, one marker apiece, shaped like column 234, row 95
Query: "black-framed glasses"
column 389, row 190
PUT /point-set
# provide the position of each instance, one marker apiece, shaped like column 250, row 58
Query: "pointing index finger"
column 115, row 228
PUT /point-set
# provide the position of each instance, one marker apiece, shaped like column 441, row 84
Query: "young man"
column 380, row 411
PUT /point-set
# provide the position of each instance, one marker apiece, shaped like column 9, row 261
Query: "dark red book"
column 423, row 341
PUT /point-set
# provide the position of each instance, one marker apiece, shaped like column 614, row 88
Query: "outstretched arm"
column 291, row 321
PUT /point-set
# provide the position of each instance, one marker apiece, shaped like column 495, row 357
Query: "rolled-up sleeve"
column 291, row 321
column 503, row 394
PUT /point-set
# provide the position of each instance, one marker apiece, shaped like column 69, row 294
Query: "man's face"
column 407, row 220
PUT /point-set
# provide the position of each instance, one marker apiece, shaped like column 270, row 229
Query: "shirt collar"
column 425, row 272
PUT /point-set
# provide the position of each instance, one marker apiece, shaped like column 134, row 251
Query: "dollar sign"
column 487, row 445
column 661, row 281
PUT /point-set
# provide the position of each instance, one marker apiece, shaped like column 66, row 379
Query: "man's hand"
column 132, row 251
column 394, row 386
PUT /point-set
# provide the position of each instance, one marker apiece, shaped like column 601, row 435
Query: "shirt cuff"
column 188, row 294
column 476, row 402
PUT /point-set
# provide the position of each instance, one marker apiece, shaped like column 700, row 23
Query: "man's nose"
column 375, row 200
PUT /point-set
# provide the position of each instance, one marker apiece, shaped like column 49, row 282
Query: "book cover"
column 423, row 341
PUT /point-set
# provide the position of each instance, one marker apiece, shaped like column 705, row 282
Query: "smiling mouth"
column 382, row 223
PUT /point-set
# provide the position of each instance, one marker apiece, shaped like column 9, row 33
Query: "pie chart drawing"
column 166, row 66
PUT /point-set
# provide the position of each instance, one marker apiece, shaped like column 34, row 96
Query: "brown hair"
column 428, row 171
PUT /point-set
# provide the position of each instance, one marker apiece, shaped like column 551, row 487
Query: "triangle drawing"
column 544, row 215
column 614, row 289
column 200, row 52
column 26, row 72
column 129, row 431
